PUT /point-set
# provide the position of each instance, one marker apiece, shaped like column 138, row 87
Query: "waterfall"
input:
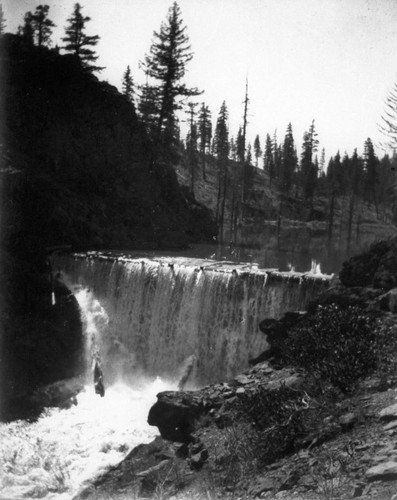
column 161, row 312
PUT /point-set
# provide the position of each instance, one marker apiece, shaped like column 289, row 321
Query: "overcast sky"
column 333, row 61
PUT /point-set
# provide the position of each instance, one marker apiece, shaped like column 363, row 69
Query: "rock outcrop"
column 176, row 413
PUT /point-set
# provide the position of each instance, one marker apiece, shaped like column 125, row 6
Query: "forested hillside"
column 347, row 203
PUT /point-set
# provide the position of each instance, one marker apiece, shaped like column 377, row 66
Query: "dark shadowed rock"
column 389, row 413
column 174, row 414
column 383, row 472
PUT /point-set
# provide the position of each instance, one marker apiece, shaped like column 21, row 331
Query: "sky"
column 332, row 61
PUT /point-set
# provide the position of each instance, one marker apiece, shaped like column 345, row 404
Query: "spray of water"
column 316, row 268
column 53, row 457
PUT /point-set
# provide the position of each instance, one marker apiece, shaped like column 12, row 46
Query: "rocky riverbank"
column 304, row 422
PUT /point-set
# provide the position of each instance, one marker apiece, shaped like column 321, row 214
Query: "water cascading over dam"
column 161, row 312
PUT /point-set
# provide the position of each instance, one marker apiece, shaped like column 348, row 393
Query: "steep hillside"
column 80, row 162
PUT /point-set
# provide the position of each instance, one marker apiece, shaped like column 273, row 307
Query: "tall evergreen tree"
column 77, row 42
column 205, row 133
column 148, row 106
column 331, row 178
column 240, row 146
column 249, row 155
column 308, row 168
column 42, row 25
column 289, row 161
column 2, row 20
column 127, row 85
column 243, row 138
column 221, row 141
column 221, row 137
column 277, row 156
column 355, row 180
column 257, row 149
column 321, row 169
column 371, row 166
column 166, row 63
column 233, row 149
column 26, row 31
column 268, row 160
column 191, row 144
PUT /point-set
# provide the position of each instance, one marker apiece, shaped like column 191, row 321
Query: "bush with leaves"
column 342, row 345
column 278, row 417
column 377, row 267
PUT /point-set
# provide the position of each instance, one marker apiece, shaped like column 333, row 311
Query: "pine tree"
column 191, row 143
column 78, row 43
column 240, row 146
column 257, row 149
column 268, row 160
column 221, row 141
column 26, row 31
column 355, row 188
column 289, row 161
column 233, row 149
column 166, row 63
column 205, row 133
column 331, row 178
column 148, row 106
column 277, row 156
column 2, row 20
column 41, row 25
column 128, row 85
column 222, row 136
column 308, row 169
column 371, row 166
column 245, row 122
column 322, row 163
column 249, row 155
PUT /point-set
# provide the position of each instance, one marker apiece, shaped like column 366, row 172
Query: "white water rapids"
column 52, row 457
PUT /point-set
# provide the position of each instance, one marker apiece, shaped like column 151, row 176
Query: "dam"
column 156, row 313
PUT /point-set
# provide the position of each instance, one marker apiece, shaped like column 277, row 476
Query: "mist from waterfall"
column 53, row 457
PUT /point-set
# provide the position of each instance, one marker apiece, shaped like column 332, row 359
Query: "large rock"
column 174, row 414
column 389, row 413
column 385, row 471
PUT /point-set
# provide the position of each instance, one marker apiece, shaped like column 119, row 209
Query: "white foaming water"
column 316, row 268
column 52, row 457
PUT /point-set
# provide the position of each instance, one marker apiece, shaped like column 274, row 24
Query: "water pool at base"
column 53, row 457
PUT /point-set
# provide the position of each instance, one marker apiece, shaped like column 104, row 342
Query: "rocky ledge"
column 176, row 414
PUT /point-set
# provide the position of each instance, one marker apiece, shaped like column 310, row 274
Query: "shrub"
column 342, row 345
column 279, row 417
column 377, row 267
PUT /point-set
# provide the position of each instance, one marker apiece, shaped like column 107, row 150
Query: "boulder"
column 197, row 460
column 385, row 471
column 389, row 413
column 174, row 414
